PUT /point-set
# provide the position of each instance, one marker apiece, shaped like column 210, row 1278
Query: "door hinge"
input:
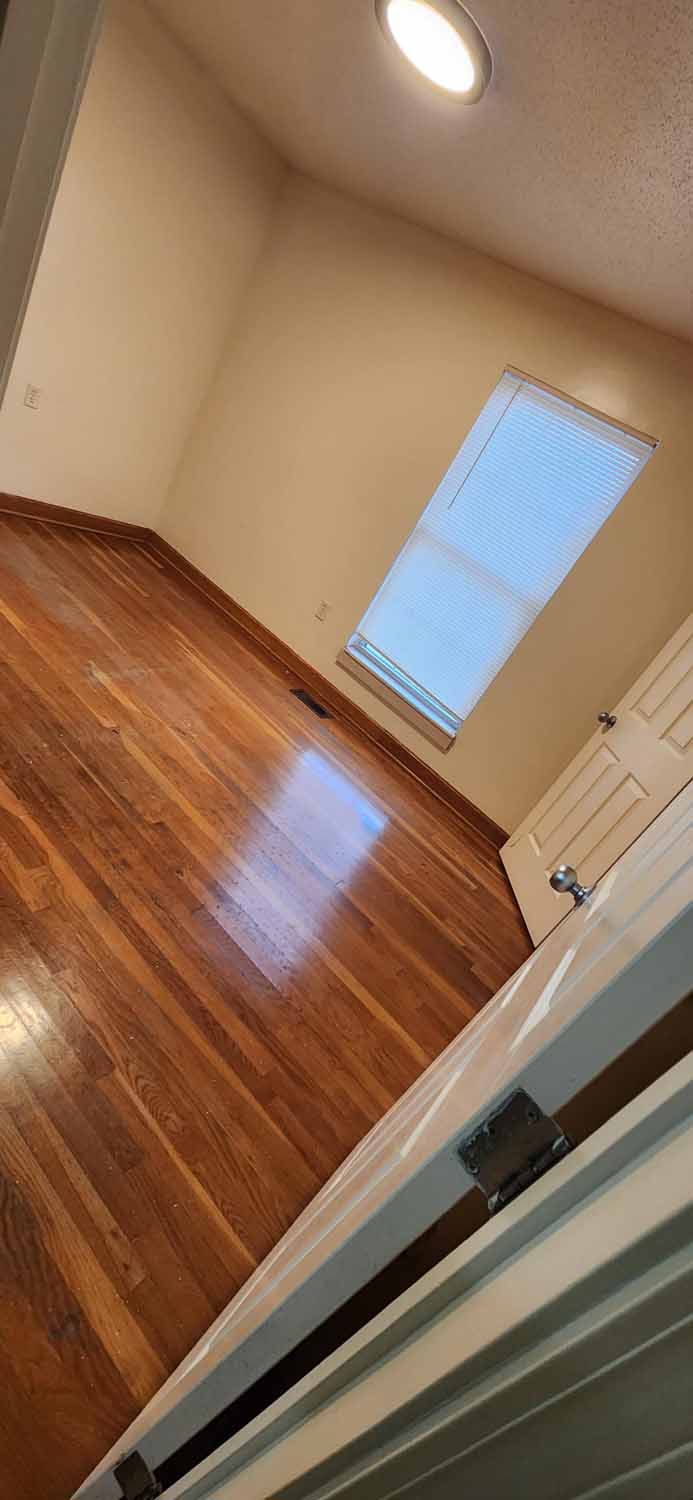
column 513, row 1146
column 136, row 1479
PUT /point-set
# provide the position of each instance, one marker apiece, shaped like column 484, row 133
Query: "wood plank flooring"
column 231, row 934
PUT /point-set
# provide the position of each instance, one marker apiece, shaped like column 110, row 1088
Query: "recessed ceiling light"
column 442, row 41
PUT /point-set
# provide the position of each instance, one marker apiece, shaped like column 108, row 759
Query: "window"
column 533, row 482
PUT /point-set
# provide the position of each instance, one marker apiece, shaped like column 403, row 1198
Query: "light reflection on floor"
column 320, row 810
column 15, row 1038
column 340, row 807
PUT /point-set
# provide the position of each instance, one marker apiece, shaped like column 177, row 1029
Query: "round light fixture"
column 442, row 41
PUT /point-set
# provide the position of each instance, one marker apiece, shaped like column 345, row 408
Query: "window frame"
column 433, row 720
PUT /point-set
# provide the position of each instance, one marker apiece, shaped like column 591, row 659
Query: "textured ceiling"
column 577, row 165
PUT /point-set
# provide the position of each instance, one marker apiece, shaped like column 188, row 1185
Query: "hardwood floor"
column 231, row 934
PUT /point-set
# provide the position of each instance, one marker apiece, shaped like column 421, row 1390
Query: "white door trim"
column 597, row 984
column 589, row 1269
column 46, row 49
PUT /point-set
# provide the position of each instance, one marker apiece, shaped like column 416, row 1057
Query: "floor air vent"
column 311, row 703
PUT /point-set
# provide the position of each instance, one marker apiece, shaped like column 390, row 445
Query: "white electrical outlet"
column 32, row 397
column 322, row 610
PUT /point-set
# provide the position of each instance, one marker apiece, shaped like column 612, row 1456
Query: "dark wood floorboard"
column 231, row 934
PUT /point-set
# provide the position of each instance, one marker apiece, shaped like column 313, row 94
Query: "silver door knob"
column 607, row 719
column 565, row 881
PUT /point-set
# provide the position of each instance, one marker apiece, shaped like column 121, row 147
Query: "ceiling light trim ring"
column 470, row 34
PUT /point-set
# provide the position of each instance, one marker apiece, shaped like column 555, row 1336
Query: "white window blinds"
column 530, row 487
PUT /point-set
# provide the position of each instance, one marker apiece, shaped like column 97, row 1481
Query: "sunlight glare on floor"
column 331, row 812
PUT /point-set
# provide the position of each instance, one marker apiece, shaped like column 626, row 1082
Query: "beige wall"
column 340, row 356
column 362, row 354
column 160, row 215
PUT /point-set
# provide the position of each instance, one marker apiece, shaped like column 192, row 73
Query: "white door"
column 547, row 1358
column 611, row 791
column 616, row 966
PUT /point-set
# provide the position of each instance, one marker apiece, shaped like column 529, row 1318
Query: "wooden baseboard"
column 327, row 693
column 62, row 515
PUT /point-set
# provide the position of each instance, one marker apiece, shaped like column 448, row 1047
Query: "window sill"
column 432, row 732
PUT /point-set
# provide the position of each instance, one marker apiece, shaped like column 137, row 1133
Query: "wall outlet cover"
column 32, row 396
